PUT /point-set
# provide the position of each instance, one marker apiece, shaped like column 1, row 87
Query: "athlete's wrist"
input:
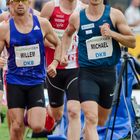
column 57, row 60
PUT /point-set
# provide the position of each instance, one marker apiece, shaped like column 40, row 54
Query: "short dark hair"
column 7, row 2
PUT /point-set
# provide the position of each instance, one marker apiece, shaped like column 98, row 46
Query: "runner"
column 99, row 32
column 24, row 37
column 58, row 12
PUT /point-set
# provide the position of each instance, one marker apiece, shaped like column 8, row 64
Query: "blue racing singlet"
column 95, row 50
column 26, row 61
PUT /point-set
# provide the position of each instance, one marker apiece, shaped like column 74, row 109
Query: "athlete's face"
column 72, row 0
column 20, row 6
column 95, row 2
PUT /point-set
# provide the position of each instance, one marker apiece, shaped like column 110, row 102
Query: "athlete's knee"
column 103, row 116
column 101, row 122
column 37, row 127
column 57, row 115
column 91, row 118
column 74, row 111
column 17, row 127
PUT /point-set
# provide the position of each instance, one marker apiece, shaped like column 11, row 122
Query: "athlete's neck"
column 95, row 11
column 22, row 20
column 68, row 6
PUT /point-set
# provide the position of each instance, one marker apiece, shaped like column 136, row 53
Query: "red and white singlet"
column 59, row 21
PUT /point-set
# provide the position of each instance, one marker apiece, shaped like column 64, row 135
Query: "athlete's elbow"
column 133, row 43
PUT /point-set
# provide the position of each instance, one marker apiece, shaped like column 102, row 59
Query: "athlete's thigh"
column 107, row 84
column 103, row 115
column 15, row 96
column 71, row 86
column 90, row 108
column 36, row 116
column 56, row 90
column 89, row 90
column 35, row 96
column 16, row 116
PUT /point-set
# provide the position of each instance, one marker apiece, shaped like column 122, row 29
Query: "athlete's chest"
column 59, row 19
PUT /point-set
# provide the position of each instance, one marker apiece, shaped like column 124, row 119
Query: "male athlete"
column 24, row 36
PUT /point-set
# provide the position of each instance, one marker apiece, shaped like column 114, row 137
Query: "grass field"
column 4, row 132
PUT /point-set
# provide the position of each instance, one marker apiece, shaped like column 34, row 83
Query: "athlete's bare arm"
column 4, row 35
column 125, row 35
column 47, row 10
column 84, row 5
column 51, row 36
column 4, row 16
column 72, row 27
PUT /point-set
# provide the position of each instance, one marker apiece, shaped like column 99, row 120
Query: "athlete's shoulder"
column 4, row 16
column 116, row 12
column 44, row 23
column 75, row 15
column 42, row 19
column 35, row 12
column 50, row 4
column 74, row 20
column 4, row 28
column 47, row 9
column 83, row 5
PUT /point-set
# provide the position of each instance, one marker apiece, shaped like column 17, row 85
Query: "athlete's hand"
column 51, row 70
column 2, row 62
column 64, row 60
column 105, row 30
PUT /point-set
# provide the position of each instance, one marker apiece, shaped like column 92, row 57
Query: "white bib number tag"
column 27, row 56
column 99, row 47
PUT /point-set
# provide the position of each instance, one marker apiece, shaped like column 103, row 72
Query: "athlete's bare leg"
column 74, row 120
column 90, row 109
column 35, row 115
column 103, row 115
column 16, row 123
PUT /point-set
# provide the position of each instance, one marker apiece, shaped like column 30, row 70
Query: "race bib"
column 27, row 56
column 99, row 47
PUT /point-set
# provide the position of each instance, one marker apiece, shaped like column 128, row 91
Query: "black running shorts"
column 64, row 82
column 19, row 96
column 97, row 84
